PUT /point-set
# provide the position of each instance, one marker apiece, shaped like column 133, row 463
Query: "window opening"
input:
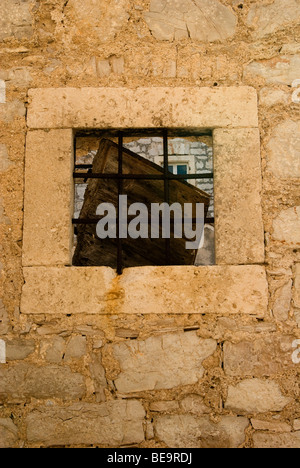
column 148, row 166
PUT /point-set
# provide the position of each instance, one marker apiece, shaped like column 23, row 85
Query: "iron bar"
column 169, row 176
column 166, row 188
column 97, row 219
column 120, row 191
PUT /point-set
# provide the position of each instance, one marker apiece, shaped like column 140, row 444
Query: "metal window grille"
column 165, row 176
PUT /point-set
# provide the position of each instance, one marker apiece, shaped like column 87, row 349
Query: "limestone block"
column 286, row 227
column 282, row 303
column 284, row 150
column 95, row 18
column 194, row 404
column 266, row 19
column 283, row 69
column 184, row 290
column 256, row 396
column 202, row 20
column 142, row 107
column 186, row 431
column 111, row 424
column 12, row 110
column 237, row 181
column 8, row 433
column 16, row 19
column 211, row 290
column 19, row 348
column 265, row 356
column 76, row 348
column 158, row 362
column 5, row 163
column 49, row 198
column 67, row 290
column 271, row 426
column 271, row 97
column 265, row 440
column 23, row 381
column 297, row 286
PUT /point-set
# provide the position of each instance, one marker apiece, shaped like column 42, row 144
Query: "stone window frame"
column 55, row 113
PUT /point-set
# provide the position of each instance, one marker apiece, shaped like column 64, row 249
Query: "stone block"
column 76, row 348
column 12, row 110
column 8, row 433
column 194, row 404
column 5, row 163
column 142, row 107
column 185, row 290
column 158, row 290
column 19, row 348
column 265, row 440
column 186, row 431
column 238, row 186
column 67, row 290
column 95, row 19
column 202, row 20
column 286, row 227
column 261, row 357
column 49, row 198
column 284, row 150
column 283, row 69
column 297, row 286
column 111, row 424
column 282, row 302
column 16, row 19
column 271, row 426
column 256, row 396
column 159, row 362
column 268, row 18
column 23, row 381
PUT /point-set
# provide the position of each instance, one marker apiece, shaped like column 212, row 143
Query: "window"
column 152, row 167
column 54, row 286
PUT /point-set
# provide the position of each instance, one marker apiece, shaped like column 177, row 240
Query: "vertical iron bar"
column 120, row 190
column 166, row 190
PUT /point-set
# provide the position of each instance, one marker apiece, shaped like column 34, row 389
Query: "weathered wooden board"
column 92, row 251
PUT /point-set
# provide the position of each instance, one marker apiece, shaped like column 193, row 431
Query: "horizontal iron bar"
column 96, row 220
column 170, row 176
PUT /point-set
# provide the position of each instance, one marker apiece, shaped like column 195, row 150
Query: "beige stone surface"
column 202, row 20
column 284, row 150
column 5, row 163
column 48, row 204
column 211, row 290
column 286, row 440
column 282, row 303
column 263, row 356
column 108, row 18
column 268, row 18
column 237, row 185
column 186, row 431
column 283, row 69
column 297, row 286
column 67, row 290
column 286, row 227
column 142, row 107
column 271, row 426
column 159, row 362
column 256, row 396
column 24, row 381
column 16, row 19
column 8, row 433
column 110, row 424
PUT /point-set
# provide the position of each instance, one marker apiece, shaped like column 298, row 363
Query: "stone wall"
column 163, row 357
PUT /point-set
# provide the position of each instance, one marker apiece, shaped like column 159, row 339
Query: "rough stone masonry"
column 163, row 356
